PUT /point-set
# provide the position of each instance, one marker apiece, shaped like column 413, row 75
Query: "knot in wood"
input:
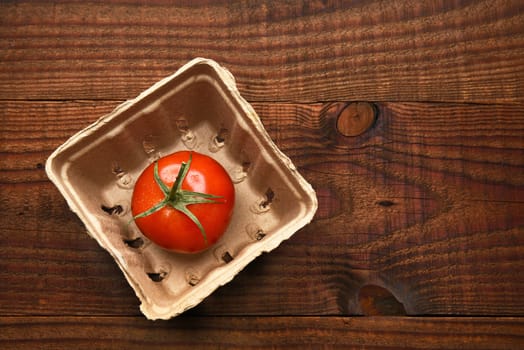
column 355, row 119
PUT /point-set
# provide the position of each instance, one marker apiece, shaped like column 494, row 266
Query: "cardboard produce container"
column 198, row 108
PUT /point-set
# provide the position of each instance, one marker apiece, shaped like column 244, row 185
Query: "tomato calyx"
column 178, row 198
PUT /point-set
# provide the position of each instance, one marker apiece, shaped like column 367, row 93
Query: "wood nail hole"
column 386, row 203
column 355, row 119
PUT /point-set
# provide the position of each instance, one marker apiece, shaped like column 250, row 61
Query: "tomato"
column 183, row 202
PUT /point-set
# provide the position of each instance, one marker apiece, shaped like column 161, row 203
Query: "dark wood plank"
column 261, row 332
column 305, row 52
column 31, row 131
column 422, row 214
column 48, row 262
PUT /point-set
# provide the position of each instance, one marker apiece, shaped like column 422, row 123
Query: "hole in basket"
column 245, row 166
column 117, row 169
column 157, row 276
column 270, row 195
column 255, row 232
column 189, row 139
column 125, row 181
column 134, row 243
column 259, row 235
column 219, row 140
column 226, row 257
column 182, row 125
column 239, row 173
column 149, row 144
column 114, row 210
column 221, row 137
column 192, row 278
column 222, row 254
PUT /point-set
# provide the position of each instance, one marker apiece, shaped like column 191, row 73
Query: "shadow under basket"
column 198, row 108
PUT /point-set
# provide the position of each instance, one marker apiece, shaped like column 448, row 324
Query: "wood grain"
column 455, row 51
column 261, row 332
column 426, row 205
column 419, row 215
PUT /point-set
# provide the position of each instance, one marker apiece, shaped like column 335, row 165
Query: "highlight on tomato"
column 183, row 202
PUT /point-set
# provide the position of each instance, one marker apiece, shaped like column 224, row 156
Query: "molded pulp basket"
column 197, row 108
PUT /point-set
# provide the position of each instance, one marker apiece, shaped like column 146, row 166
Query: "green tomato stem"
column 178, row 198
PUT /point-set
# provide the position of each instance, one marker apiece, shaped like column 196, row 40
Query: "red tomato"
column 189, row 218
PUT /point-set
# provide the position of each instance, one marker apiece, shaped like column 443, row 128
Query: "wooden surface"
column 419, row 237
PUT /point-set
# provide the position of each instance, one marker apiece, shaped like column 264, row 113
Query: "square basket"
column 198, row 108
